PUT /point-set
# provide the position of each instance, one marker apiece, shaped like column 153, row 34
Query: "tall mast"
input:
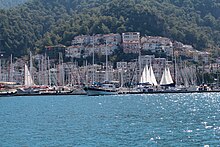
column 31, row 65
column 106, row 61
column 61, row 69
column 1, row 55
column 175, row 70
column 49, row 76
column 86, row 73
column 93, row 61
column 11, row 70
column 139, row 61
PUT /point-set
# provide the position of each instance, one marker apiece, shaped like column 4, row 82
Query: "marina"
column 96, row 73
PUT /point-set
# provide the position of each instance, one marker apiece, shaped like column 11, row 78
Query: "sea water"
column 122, row 120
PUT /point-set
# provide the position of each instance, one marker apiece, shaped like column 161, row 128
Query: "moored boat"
column 105, row 88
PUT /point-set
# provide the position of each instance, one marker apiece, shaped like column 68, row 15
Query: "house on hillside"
column 157, row 44
column 131, row 42
column 74, row 51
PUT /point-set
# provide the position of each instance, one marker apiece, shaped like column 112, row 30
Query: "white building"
column 157, row 44
column 130, row 36
column 73, row 51
column 81, row 40
column 131, row 42
column 205, row 57
column 114, row 39
column 97, row 39
column 100, row 49
column 147, row 59
column 122, row 65
column 156, row 39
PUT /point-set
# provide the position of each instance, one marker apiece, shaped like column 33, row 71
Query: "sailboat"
column 104, row 88
column 147, row 79
column 147, row 76
column 8, row 88
column 152, row 76
column 28, row 81
column 166, row 79
column 29, row 86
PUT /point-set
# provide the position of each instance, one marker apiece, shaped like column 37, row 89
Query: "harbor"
column 100, row 73
column 87, row 67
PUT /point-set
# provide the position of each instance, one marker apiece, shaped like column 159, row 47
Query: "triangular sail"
column 28, row 81
column 166, row 77
column 148, row 76
column 163, row 78
column 143, row 75
column 169, row 78
column 152, row 76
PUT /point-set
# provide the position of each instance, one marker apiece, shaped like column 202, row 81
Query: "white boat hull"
column 96, row 92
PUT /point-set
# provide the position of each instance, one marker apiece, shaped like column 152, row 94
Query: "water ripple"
column 124, row 120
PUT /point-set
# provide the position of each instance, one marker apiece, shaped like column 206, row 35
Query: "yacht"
column 106, row 88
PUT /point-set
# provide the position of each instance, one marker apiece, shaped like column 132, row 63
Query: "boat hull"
column 98, row 91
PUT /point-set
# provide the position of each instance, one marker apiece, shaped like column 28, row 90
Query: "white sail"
column 28, row 81
column 152, row 76
column 169, row 78
column 148, row 76
column 143, row 75
column 166, row 77
column 163, row 79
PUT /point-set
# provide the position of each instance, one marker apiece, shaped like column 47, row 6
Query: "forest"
column 5, row 4
column 39, row 23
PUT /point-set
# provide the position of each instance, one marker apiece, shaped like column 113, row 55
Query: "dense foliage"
column 11, row 3
column 41, row 23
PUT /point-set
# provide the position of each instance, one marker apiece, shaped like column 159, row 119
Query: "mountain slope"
column 11, row 3
column 50, row 22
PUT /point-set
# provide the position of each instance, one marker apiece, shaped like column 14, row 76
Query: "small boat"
column 203, row 87
column 106, row 88
column 7, row 88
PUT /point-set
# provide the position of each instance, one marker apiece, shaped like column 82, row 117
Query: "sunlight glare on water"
column 122, row 120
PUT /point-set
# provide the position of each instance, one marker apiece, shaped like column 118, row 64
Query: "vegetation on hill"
column 11, row 3
column 40, row 23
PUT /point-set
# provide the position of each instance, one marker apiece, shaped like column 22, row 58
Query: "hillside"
column 47, row 22
column 11, row 3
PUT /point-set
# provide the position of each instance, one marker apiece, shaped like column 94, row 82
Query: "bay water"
column 110, row 121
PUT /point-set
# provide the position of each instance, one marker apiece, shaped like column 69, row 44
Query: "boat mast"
column 139, row 59
column 49, row 75
column 122, row 78
column 106, row 61
column 61, row 70
column 93, row 60
column 31, row 65
column 174, row 67
column 1, row 55
column 175, row 71
column 11, row 70
column 86, row 73
column 39, row 71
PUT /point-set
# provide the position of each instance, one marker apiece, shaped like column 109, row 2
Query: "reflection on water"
column 124, row 120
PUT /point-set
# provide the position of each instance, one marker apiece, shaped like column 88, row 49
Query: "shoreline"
column 119, row 93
